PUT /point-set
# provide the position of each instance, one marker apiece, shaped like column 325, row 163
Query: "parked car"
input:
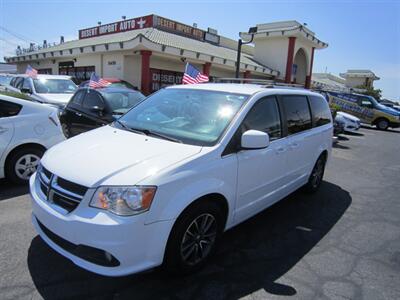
column 55, row 90
column 350, row 122
column 162, row 183
column 92, row 108
column 5, row 79
column 366, row 108
column 338, row 127
column 115, row 82
column 27, row 129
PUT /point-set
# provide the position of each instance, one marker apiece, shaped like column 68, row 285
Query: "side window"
column 297, row 113
column 320, row 111
column 78, row 98
column 12, row 82
column 9, row 109
column 18, row 82
column 264, row 116
column 92, row 99
column 26, row 84
column 365, row 102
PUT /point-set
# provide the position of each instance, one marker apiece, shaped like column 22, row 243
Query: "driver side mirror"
column 254, row 139
column 97, row 110
column 26, row 90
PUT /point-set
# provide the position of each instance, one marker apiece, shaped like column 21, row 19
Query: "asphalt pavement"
column 341, row 243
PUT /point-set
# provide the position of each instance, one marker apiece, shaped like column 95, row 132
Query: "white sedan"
column 27, row 130
column 350, row 122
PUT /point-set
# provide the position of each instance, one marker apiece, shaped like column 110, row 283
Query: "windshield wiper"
column 156, row 134
column 148, row 132
column 129, row 128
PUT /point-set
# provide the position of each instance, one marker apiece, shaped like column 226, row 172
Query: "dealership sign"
column 116, row 27
column 150, row 21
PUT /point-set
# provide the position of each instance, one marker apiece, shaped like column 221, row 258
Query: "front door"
column 89, row 118
column 262, row 172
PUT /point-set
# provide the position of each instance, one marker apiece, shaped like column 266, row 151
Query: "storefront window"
column 162, row 78
column 48, row 71
column 79, row 74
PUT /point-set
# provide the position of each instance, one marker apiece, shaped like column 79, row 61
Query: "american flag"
column 192, row 75
column 97, row 82
column 31, row 72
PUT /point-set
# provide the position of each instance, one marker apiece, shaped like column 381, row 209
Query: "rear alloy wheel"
column 193, row 238
column 22, row 164
column 316, row 176
column 382, row 124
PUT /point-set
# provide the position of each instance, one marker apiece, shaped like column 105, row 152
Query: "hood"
column 388, row 110
column 111, row 156
column 349, row 116
column 55, row 98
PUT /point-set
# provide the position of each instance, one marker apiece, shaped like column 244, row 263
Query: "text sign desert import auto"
column 116, row 27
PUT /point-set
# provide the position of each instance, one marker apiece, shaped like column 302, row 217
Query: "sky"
column 360, row 34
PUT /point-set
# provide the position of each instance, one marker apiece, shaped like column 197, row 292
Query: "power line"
column 18, row 36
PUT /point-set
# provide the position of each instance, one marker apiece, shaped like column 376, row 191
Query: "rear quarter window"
column 9, row 109
column 321, row 113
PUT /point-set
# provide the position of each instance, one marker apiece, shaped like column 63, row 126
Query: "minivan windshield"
column 191, row 116
column 120, row 102
column 54, row 86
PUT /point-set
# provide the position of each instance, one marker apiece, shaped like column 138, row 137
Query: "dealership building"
column 151, row 52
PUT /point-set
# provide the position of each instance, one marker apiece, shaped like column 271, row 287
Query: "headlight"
column 124, row 200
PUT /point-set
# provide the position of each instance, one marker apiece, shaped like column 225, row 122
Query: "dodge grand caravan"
column 162, row 183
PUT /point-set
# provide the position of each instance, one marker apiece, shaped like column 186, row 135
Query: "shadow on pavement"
column 250, row 257
column 340, row 146
column 354, row 133
column 11, row 190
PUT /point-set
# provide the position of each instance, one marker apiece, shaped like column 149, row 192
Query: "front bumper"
column 127, row 243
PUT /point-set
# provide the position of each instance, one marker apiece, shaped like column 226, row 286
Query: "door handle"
column 78, row 114
column 280, row 150
column 2, row 130
column 293, row 145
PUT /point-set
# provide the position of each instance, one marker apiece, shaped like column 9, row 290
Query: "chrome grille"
column 59, row 191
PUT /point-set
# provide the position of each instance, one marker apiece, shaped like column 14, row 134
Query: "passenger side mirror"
column 26, row 90
column 254, row 139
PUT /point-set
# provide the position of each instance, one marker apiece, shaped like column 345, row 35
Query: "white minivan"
column 162, row 183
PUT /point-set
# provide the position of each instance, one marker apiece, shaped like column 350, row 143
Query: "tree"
column 370, row 91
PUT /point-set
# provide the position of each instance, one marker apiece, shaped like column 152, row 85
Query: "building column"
column 289, row 61
column 145, row 82
column 206, row 69
column 308, row 77
column 246, row 74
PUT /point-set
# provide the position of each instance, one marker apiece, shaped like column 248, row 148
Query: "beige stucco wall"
column 354, row 81
column 272, row 52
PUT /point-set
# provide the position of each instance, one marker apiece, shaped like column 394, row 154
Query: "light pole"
column 252, row 31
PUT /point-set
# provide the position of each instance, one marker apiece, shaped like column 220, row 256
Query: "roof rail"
column 263, row 82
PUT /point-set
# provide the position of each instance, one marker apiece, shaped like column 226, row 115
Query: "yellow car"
column 366, row 108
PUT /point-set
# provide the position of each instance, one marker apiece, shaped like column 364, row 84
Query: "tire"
column 22, row 163
column 382, row 124
column 316, row 176
column 65, row 130
column 186, row 253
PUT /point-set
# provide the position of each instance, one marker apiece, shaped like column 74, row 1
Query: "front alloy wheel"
column 194, row 237
column 199, row 239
